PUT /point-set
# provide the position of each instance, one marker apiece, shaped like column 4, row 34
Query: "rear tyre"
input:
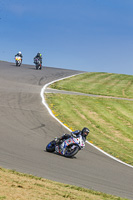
column 51, row 146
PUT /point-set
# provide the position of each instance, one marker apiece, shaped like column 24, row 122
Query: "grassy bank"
column 18, row 186
column 110, row 120
column 117, row 85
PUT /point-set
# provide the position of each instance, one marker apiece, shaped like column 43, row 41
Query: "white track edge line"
column 50, row 112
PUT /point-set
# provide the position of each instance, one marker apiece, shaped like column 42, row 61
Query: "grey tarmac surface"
column 26, row 128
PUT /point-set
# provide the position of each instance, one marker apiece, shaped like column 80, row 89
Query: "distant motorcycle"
column 38, row 63
column 68, row 148
column 18, row 60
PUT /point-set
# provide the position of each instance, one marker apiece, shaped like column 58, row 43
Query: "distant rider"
column 39, row 56
column 77, row 134
column 19, row 54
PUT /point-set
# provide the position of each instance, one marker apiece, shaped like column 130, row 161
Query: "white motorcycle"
column 18, row 60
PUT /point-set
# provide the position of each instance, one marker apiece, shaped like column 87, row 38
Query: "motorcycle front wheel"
column 36, row 67
column 71, row 150
column 51, row 146
column 40, row 67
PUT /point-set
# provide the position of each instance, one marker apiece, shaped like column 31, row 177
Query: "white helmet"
column 19, row 52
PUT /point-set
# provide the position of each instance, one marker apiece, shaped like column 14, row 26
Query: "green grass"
column 118, row 85
column 110, row 120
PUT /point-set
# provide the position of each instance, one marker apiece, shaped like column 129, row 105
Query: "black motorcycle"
column 38, row 63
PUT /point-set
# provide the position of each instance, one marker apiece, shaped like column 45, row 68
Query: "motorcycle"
column 18, row 60
column 38, row 63
column 68, row 148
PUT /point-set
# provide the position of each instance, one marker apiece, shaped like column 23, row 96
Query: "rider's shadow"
column 58, row 154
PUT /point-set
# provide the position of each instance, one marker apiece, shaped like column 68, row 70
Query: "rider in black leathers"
column 39, row 56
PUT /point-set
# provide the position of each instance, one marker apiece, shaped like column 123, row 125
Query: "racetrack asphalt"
column 26, row 127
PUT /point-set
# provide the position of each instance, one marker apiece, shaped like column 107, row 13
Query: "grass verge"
column 14, row 185
column 110, row 120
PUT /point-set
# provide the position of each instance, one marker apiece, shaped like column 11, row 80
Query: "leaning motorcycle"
column 68, row 148
column 38, row 63
column 18, row 60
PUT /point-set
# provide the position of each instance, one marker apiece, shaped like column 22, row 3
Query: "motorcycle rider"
column 39, row 56
column 19, row 54
column 83, row 134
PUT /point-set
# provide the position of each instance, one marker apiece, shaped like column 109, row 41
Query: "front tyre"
column 40, row 67
column 36, row 67
column 51, row 146
column 71, row 150
column 19, row 64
